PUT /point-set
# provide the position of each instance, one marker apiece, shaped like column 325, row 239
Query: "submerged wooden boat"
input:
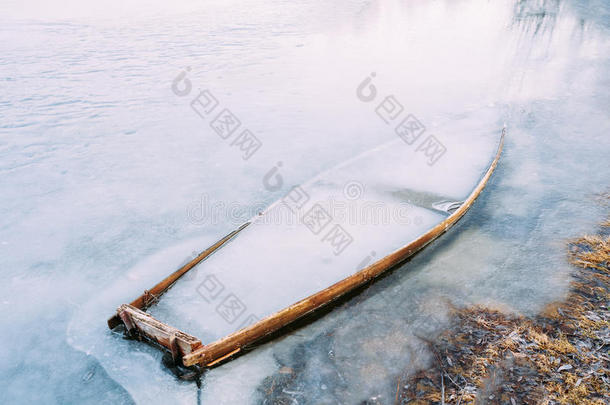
column 431, row 213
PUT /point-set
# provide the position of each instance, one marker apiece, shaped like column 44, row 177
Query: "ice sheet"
column 103, row 169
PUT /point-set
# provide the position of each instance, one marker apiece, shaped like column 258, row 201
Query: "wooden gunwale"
column 149, row 297
column 223, row 348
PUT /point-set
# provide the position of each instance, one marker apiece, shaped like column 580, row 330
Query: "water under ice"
column 103, row 168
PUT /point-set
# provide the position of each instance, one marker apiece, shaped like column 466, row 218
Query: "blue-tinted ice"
column 109, row 179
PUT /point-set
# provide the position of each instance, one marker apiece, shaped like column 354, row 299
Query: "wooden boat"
column 240, row 251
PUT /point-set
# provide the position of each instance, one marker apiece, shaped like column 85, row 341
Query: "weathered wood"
column 178, row 342
column 207, row 354
column 152, row 295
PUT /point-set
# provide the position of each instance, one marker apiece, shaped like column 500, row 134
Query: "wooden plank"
column 209, row 353
column 151, row 296
column 165, row 335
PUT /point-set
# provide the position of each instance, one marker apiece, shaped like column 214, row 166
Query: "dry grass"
column 558, row 357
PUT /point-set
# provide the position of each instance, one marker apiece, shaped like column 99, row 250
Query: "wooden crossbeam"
column 179, row 343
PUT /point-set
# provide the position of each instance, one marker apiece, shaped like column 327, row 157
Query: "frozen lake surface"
column 110, row 179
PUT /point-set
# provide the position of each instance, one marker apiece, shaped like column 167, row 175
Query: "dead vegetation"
column 559, row 357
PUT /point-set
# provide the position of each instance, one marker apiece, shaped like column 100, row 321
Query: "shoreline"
column 558, row 356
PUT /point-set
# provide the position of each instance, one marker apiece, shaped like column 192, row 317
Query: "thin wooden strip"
column 150, row 296
column 209, row 353
column 226, row 356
